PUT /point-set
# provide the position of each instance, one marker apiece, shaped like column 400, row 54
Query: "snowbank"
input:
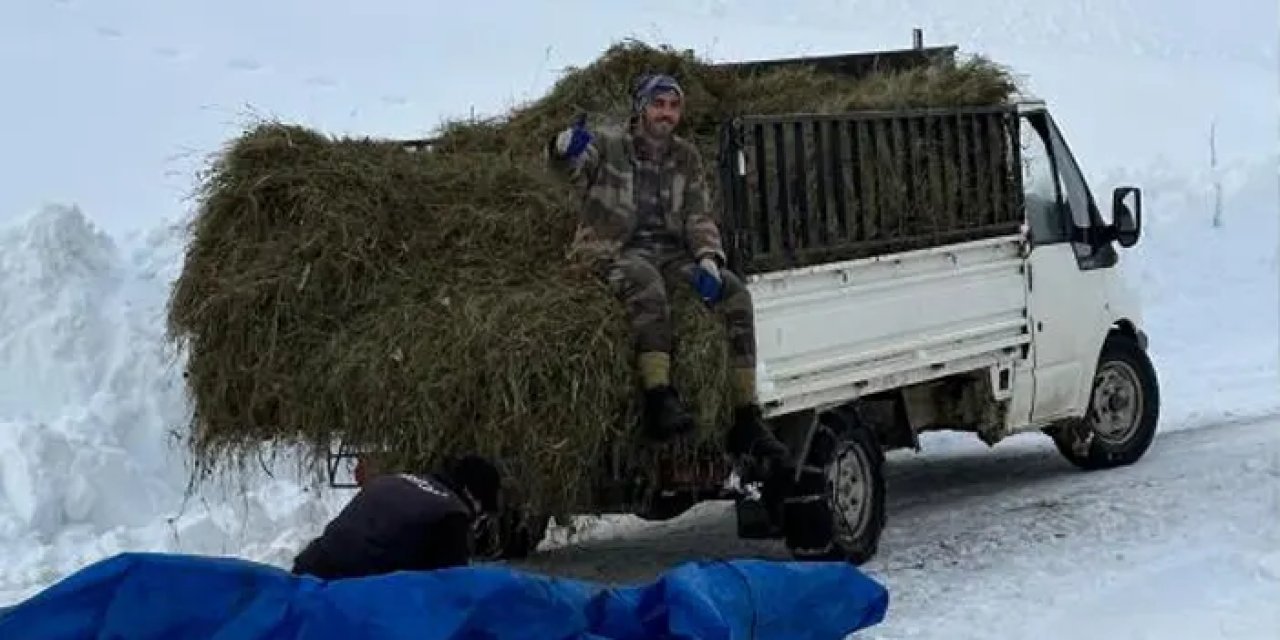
column 1212, row 294
column 90, row 405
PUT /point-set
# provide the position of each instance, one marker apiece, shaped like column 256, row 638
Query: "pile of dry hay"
column 421, row 302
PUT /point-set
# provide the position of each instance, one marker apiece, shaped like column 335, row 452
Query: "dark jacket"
column 395, row 523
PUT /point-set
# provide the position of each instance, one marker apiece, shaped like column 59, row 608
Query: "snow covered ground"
column 1015, row 543
column 1011, row 541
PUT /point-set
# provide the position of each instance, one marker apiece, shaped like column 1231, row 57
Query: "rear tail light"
column 360, row 472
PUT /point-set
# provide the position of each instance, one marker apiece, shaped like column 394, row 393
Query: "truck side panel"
column 830, row 333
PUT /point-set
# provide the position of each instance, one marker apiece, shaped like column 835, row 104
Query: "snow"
column 1211, row 296
column 984, row 544
column 90, row 404
column 980, row 542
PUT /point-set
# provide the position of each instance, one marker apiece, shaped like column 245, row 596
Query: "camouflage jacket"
column 609, row 216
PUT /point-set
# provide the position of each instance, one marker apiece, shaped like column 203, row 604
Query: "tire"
column 511, row 537
column 846, row 467
column 1123, row 413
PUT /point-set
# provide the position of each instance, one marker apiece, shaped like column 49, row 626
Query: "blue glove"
column 706, row 281
column 574, row 141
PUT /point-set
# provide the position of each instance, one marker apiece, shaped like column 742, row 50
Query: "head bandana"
column 651, row 85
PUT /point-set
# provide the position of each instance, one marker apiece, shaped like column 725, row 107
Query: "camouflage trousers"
column 639, row 277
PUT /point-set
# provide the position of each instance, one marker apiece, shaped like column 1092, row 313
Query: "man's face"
column 662, row 114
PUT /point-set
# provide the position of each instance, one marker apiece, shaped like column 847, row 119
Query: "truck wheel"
column 846, row 464
column 510, row 537
column 856, row 474
column 1124, row 409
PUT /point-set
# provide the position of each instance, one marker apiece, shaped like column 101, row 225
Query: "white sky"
column 111, row 104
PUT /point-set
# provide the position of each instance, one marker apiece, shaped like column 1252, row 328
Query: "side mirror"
column 1126, row 215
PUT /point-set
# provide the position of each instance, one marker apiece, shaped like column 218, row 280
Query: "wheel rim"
column 1117, row 406
column 849, row 477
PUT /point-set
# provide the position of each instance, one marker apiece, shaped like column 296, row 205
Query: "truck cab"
column 1077, row 295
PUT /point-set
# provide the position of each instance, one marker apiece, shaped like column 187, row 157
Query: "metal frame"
column 333, row 461
column 802, row 189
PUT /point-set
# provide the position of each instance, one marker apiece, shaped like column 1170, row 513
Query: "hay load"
column 421, row 302
column 715, row 93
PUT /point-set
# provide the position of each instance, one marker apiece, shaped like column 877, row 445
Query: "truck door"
column 1066, row 296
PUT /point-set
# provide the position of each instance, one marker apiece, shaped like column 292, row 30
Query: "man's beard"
column 659, row 130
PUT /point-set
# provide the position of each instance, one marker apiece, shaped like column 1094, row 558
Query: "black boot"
column 751, row 436
column 665, row 415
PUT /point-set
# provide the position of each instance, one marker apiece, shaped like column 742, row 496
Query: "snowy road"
column 1013, row 542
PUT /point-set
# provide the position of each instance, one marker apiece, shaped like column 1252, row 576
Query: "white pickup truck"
column 1007, row 319
column 944, row 269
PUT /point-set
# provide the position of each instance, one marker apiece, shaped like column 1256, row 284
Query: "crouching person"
column 403, row 522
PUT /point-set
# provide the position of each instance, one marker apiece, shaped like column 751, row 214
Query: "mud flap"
column 754, row 520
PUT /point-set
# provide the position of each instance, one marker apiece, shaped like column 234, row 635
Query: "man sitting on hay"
column 647, row 221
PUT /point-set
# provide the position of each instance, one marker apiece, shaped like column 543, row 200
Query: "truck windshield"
column 1046, row 214
column 1050, row 172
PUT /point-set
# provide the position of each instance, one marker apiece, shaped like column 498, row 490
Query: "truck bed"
column 832, row 332
column 882, row 249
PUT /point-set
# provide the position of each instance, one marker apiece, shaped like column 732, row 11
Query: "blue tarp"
column 144, row 596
